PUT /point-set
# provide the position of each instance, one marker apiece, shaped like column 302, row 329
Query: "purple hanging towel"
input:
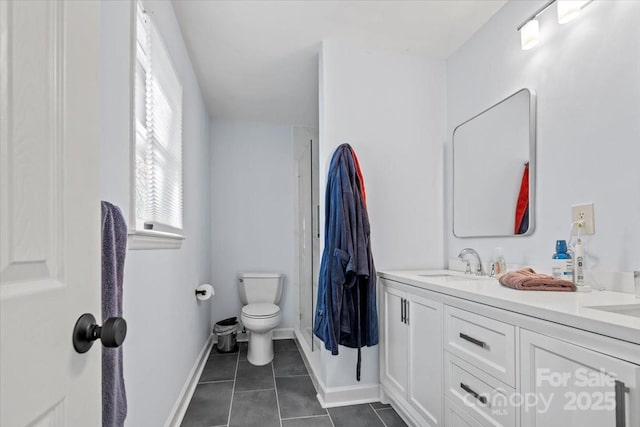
column 114, row 248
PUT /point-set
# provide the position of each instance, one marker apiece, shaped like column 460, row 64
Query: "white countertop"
column 567, row 308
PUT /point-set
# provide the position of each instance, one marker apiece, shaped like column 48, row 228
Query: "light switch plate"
column 583, row 212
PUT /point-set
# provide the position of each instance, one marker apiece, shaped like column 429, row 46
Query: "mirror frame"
column 532, row 165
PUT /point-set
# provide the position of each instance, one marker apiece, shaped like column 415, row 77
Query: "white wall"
column 252, row 211
column 391, row 108
column 167, row 325
column 586, row 75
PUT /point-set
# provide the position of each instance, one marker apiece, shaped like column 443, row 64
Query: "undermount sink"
column 450, row 277
column 626, row 310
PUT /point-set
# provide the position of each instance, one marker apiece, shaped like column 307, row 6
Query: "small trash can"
column 227, row 331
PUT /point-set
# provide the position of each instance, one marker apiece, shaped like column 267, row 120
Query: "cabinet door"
column 424, row 319
column 395, row 341
column 567, row 385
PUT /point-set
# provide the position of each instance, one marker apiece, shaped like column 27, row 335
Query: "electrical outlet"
column 583, row 213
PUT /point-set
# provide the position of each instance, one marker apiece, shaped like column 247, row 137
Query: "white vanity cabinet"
column 453, row 361
column 411, row 352
column 568, row 385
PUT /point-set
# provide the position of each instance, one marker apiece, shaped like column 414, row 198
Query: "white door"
column 50, row 211
column 395, row 340
column 424, row 319
column 574, row 386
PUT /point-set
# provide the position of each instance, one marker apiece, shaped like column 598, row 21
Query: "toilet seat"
column 260, row 310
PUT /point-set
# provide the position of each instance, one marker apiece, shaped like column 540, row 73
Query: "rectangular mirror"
column 494, row 169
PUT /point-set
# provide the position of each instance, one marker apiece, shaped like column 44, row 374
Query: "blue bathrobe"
column 346, row 311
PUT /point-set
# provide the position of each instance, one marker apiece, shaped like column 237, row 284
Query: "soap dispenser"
column 499, row 263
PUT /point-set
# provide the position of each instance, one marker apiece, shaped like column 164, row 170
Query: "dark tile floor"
column 232, row 392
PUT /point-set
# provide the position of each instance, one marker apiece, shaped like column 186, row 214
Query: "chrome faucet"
column 470, row 251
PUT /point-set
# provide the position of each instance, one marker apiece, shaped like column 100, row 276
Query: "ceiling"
column 257, row 60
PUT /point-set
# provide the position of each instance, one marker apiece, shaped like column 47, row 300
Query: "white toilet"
column 260, row 292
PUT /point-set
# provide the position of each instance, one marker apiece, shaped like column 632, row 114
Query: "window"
column 157, row 177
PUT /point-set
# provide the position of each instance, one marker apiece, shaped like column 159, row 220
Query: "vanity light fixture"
column 530, row 28
column 530, row 34
column 569, row 9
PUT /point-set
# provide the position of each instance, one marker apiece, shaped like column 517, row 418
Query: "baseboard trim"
column 180, row 408
column 283, row 334
column 331, row 397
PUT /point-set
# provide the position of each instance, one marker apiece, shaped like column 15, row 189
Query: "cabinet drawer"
column 479, row 395
column 485, row 343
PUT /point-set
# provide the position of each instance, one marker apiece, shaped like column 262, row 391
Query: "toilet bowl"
column 260, row 319
column 260, row 292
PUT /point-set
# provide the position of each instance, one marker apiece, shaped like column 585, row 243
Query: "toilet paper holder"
column 204, row 292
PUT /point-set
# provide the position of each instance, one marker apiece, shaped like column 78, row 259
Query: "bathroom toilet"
column 260, row 292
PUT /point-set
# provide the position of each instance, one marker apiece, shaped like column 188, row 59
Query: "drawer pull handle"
column 469, row 390
column 406, row 311
column 620, row 389
column 473, row 340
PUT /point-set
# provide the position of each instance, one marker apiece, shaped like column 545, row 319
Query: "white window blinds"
column 158, row 124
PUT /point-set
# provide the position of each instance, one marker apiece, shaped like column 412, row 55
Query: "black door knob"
column 86, row 331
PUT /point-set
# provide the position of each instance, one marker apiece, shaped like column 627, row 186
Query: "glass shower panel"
column 307, row 233
column 305, row 246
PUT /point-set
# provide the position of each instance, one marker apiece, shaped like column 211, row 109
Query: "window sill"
column 150, row 239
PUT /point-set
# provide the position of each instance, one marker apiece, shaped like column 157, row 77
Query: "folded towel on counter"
column 528, row 280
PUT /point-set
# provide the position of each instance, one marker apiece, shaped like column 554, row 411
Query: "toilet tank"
column 260, row 287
